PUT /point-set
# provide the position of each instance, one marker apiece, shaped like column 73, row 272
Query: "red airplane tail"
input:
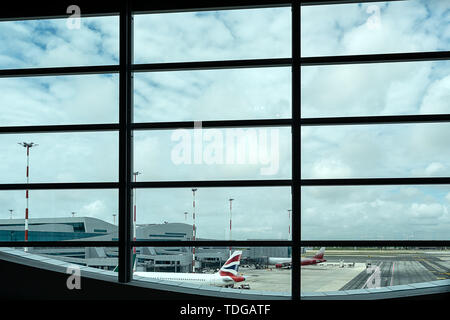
column 320, row 253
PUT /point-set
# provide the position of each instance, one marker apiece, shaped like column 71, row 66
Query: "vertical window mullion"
column 125, row 143
column 296, row 148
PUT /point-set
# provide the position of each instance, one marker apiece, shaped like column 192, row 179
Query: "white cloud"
column 330, row 168
column 212, row 35
column 93, row 209
column 427, row 211
column 374, row 212
column 435, row 168
column 49, row 43
column 59, row 100
column 344, row 29
column 436, row 98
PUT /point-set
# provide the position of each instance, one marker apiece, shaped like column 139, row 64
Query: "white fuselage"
column 273, row 260
column 209, row 279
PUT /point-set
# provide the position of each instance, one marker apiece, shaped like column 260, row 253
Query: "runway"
column 381, row 269
column 355, row 269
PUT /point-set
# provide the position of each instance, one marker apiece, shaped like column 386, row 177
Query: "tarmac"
column 350, row 269
column 271, row 279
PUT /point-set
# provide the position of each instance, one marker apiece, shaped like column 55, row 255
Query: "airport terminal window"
column 59, row 214
column 371, row 145
column 212, row 94
column 253, row 214
column 374, row 268
column 44, row 43
column 369, row 28
column 375, row 151
column 59, row 138
column 198, row 150
column 255, row 263
column 413, row 212
column 56, row 100
column 406, row 88
column 213, row 154
column 60, row 157
column 212, row 35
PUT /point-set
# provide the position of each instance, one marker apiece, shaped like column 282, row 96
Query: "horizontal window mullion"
column 58, row 71
column 327, row 2
column 100, row 8
column 60, row 128
column 212, row 243
column 375, row 58
column 47, row 10
column 146, row 7
column 375, row 243
column 212, row 124
column 59, row 186
column 375, row 181
column 38, row 11
column 362, row 120
column 212, row 183
column 56, row 244
column 208, row 65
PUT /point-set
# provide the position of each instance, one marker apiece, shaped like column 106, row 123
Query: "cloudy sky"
column 385, row 212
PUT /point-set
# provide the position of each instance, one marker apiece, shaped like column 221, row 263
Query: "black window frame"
column 125, row 127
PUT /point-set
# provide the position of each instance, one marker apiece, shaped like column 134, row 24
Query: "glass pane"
column 210, row 154
column 350, row 268
column 213, row 35
column 254, row 213
column 59, row 100
column 381, row 27
column 375, row 89
column 406, row 150
column 213, row 95
column 59, row 42
column 59, row 215
column 253, row 271
column 375, row 213
column 59, row 157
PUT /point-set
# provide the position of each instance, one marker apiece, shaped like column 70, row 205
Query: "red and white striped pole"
column 230, row 219
column 134, row 219
column 194, row 231
column 28, row 146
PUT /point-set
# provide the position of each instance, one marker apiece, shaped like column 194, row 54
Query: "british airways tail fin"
column 232, row 264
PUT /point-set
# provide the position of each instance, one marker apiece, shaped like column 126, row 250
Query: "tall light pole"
column 134, row 214
column 231, row 200
column 28, row 146
column 10, row 213
column 289, row 217
column 185, row 215
column 194, row 230
column 73, row 214
column 114, row 218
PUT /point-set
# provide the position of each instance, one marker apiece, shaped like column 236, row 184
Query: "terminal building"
column 170, row 259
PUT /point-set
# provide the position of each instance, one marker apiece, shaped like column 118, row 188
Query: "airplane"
column 287, row 262
column 227, row 276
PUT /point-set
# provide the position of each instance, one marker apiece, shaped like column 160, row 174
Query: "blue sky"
column 395, row 212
